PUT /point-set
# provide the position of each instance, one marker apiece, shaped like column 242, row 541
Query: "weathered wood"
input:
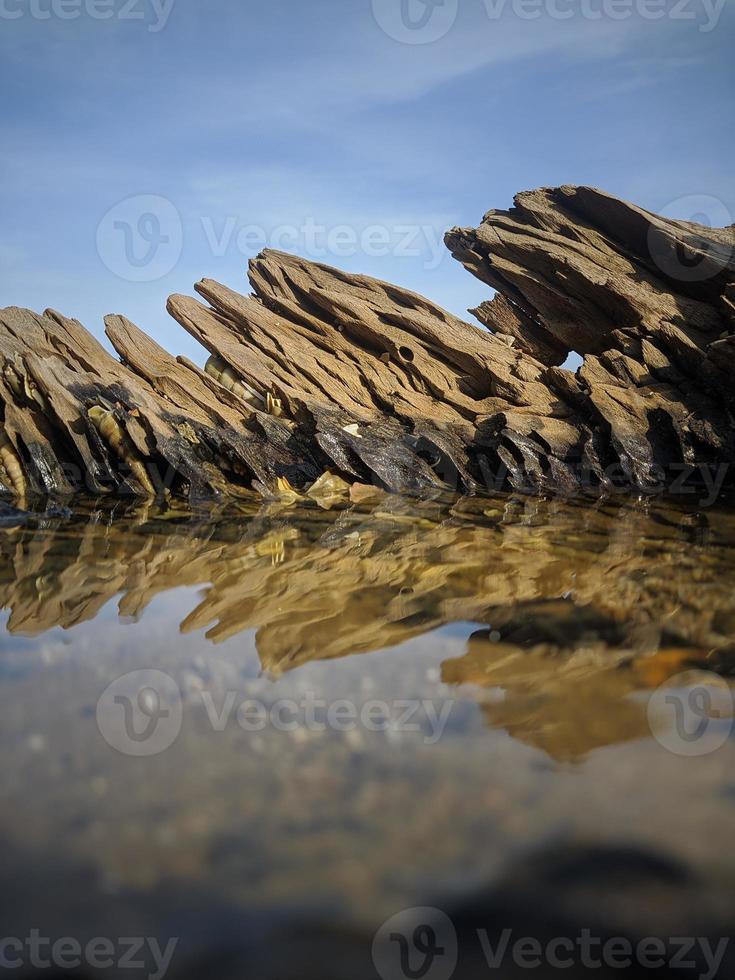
column 324, row 371
column 646, row 300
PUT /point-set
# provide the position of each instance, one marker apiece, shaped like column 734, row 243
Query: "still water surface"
column 227, row 725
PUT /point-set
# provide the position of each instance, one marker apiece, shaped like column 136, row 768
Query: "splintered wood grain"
column 172, row 380
column 602, row 277
column 326, row 371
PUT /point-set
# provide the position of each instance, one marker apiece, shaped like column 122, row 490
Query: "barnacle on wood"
column 187, row 432
column 274, row 406
column 11, row 466
column 34, row 394
column 22, row 385
column 12, row 379
column 116, row 438
column 217, row 368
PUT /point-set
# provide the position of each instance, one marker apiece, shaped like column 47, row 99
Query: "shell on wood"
column 34, row 394
column 11, row 466
column 12, row 379
column 221, row 371
column 274, row 406
column 22, row 385
column 114, row 435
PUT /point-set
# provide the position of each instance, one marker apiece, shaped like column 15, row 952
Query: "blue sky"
column 227, row 124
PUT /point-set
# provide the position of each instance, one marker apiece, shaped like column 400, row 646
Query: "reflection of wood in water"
column 318, row 585
column 565, row 705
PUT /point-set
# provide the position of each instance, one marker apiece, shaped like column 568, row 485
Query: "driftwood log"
column 322, row 381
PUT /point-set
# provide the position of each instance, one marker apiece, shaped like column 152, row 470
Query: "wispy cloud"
column 272, row 113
